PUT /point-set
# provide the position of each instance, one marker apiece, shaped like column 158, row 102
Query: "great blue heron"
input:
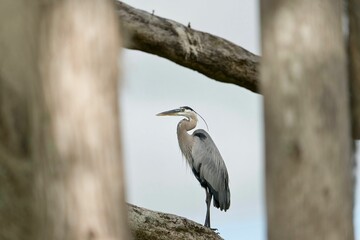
column 204, row 159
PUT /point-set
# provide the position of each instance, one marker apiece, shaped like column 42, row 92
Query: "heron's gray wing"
column 209, row 168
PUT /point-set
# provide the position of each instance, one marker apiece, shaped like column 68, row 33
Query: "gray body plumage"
column 209, row 168
column 204, row 160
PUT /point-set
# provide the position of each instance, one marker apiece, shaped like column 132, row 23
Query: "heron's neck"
column 187, row 125
column 184, row 138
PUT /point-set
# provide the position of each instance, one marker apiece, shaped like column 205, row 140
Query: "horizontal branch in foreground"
column 210, row 55
column 146, row 224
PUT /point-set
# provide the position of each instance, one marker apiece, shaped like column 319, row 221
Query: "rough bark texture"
column 308, row 147
column 146, row 224
column 212, row 56
column 354, row 63
column 79, row 183
column 18, row 31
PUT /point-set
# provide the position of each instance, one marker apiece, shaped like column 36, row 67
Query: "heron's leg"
column 208, row 203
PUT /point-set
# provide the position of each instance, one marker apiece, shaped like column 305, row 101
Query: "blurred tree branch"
column 190, row 48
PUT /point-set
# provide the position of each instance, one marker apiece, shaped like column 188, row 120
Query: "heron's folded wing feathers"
column 211, row 168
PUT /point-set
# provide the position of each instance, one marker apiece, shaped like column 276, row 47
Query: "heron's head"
column 185, row 111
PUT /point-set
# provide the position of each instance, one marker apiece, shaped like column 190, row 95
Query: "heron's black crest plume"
column 189, row 108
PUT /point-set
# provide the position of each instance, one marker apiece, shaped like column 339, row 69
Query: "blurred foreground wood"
column 18, row 70
column 61, row 174
column 309, row 163
column 79, row 176
column 354, row 64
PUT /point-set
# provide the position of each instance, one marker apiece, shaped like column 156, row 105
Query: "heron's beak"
column 174, row 112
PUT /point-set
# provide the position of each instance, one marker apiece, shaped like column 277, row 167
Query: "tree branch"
column 193, row 49
column 146, row 224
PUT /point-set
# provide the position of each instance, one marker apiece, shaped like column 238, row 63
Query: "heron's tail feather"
column 221, row 199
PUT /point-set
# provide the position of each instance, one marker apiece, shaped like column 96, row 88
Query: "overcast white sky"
column 157, row 175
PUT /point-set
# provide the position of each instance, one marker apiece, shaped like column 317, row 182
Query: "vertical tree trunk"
column 354, row 63
column 18, row 41
column 79, row 177
column 308, row 147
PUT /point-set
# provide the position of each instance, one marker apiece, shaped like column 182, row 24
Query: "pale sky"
column 156, row 173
